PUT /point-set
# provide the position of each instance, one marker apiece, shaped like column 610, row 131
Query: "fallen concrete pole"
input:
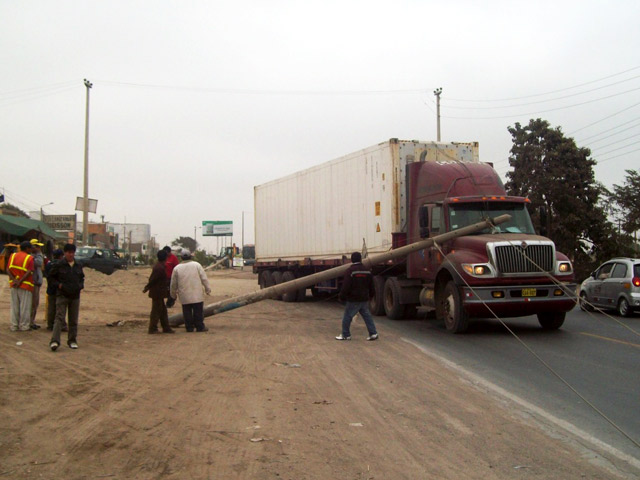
column 310, row 280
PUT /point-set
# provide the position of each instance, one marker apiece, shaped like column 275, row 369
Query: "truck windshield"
column 463, row 214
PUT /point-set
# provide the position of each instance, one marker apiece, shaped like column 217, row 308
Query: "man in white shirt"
column 189, row 282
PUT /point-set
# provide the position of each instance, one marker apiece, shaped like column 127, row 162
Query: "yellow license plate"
column 528, row 292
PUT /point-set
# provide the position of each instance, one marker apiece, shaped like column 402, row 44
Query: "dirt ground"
column 267, row 393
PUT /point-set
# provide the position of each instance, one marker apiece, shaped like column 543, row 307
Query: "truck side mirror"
column 424, row 221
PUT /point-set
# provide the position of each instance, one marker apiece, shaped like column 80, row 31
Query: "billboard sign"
column 217, row 228
column 60, row 222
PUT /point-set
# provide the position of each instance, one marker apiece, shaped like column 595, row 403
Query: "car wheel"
column 623, row 307
column 585, row 305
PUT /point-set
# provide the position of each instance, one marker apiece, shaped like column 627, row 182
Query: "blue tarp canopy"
column 21, row 227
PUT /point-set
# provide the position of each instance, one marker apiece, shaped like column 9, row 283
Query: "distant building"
column 130, row 233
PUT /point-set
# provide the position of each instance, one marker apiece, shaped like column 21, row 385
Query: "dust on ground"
column 267, row 393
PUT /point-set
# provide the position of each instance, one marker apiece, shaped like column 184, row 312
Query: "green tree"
column 627, row 208
column 557, row 176
column 186, row 242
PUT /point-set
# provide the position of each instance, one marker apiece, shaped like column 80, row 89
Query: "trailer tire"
column 376, row 303
column 392, row 306
column 276, row 275
column 289, row 296
column 551, row 320
column 450, row 310
column 265, row 280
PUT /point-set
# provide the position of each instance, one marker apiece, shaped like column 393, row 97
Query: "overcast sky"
column 196, row 102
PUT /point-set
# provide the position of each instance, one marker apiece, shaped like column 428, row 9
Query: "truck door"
column 436, row 227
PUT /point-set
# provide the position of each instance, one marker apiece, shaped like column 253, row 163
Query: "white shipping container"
column 348, row 204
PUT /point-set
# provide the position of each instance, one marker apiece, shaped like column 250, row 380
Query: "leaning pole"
column 304, row 282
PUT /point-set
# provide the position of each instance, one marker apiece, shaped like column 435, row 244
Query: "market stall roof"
column 21, row 226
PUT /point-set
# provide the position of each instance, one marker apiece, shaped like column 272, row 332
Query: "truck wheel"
column 584, row 303
column 376, row 304
column 291, row 296
column 623, row 307
column 551, row 320
column 265, row 280
column 450, row 309
column 277, row 280
column 392, row 306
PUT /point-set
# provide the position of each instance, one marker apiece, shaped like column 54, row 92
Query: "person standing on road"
column 170, row 264
column 20, row 272
column 158, row 288
column 51, row 292
column 187, row 282
column 67, row 278
column 38, row 265
column 357, row 288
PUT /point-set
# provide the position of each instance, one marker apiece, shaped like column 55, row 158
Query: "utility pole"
column 437, row 93
column 85, row 200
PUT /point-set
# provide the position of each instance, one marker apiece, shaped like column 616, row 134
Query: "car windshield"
column 463, row 214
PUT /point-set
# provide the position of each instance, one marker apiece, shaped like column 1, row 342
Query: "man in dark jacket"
column 67, row 279
column 158, row 288
column 357, row 288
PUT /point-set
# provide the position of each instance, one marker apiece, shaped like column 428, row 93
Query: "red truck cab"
column 506, row 271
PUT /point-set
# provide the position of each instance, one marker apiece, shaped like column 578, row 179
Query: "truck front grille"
column 516, row 258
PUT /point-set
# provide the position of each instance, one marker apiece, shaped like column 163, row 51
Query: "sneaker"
column 54, row 346
column 35, row 327
column 373, row 337
column 205, row 329
column 342, row 337
column 151, row 332
column 169, row 331
column 73, row 345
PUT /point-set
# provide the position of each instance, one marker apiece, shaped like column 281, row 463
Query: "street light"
column 41, row 212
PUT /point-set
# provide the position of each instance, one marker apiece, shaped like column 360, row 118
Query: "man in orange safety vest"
column 20, row 271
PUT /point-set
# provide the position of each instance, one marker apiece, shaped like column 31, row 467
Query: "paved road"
column 596, row 355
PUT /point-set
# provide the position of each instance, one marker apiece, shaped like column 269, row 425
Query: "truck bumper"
column 511, row 301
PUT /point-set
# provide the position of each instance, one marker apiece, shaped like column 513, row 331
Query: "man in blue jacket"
column 357, row 288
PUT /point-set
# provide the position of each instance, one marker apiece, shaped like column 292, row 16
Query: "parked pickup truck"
column 100, row 259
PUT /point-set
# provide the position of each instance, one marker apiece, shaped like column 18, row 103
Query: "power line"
column 548, row 93
column 582, row 140
column 240, row 91
column 544, row 101
column 548, row 110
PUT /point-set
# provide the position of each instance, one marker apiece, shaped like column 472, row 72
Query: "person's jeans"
column 193, row 316
column 350, row 311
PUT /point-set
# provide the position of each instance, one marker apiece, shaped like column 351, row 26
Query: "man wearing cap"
column 187, row 282
column 38, row 262
column 20, row 272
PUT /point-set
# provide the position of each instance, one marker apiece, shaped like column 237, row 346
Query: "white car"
column 614, row 285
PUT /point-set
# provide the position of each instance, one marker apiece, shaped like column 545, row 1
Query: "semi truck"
column 397, row 193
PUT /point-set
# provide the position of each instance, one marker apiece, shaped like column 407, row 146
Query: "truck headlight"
column 478, row 269
column 564, row 267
